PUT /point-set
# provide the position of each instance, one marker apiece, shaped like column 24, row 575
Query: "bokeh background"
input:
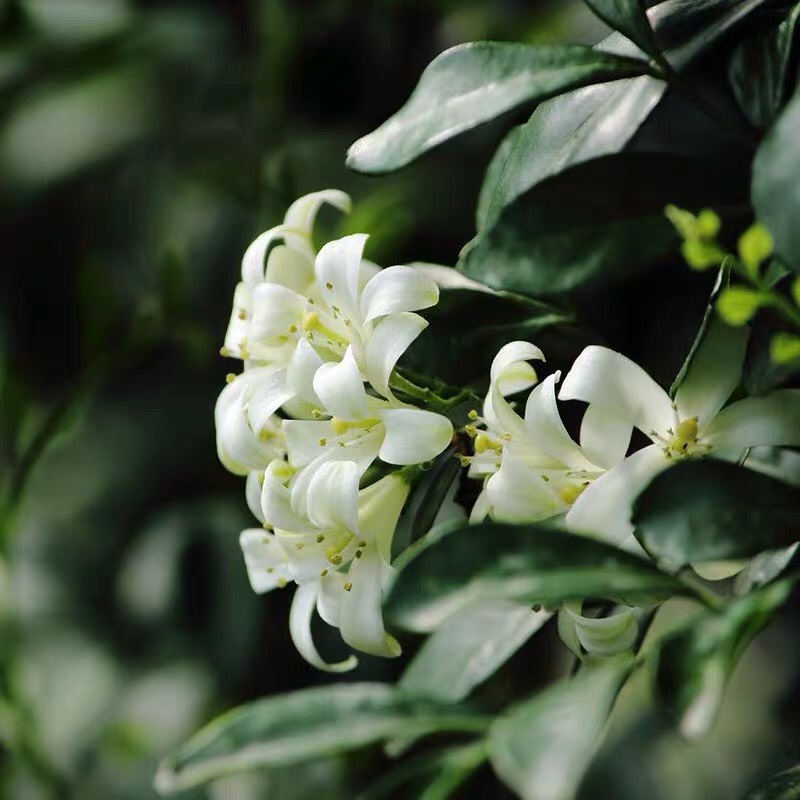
column 143, row 145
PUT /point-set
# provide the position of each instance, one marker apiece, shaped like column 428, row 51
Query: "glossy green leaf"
column 493, row 175
column 776, row 188
column 713, row 510
column 759, row 70
column 629, row 17
column 542, row 747
column 472, row 83
column 303, row 725
column 533, row 564
column 469, row 648
column 596, row 222
column 694, row 664
column 783, row 786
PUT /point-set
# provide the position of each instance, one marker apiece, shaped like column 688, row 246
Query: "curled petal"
column 605, row 435
column 605, row 377
column 604, row 508
column 291, row 264
column 361, row 620
column 265, row 561
column 379, row 509
column 388, row 342
column 545, row 428
column 714, row 372
column 337, row 269
column 303, row 604
column 770, row 420
column 333, row 496
column 252, row 493
column 305, row 440
column 413, row 436
column 253, row 261
column 510, row 373
column 518, row 493
column 396, row 289
column 235, row 343
column 276, row 502
column 302, row 214
column 268, row 393
column 604, row 636
column 340, row 388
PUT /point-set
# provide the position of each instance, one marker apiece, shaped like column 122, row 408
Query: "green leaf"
column 693, row 665
column 738, row 304
column 533, row 564
column 303, row 725
column 468, row 648
column 472, row 83
column 776, row 188
column 759, row 70
column 542, row 747
column 785, row 348
column 596, row 222
column 783, row 786
column 755, row 247
column 467, row 328
column 493, row 175
column 629, row 17
column 712, row 510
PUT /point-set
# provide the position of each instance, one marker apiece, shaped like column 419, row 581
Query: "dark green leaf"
column 493, row 175
column 542, row 747
column 299, row 726
column 761, row 373
column 472, row 83
column 467, row 328
column 469, row 648
column 694, row 664
column 629, row 18
column 714, row 510
column 783, row 786
column 759, row 69
column 595, row 222
column 532, row 564
column 776, row 187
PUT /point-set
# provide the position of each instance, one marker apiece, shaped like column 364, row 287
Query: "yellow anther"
column 265, row 434
column 224, row 352
column 362, row 543
column 281, row 582
column 315, row 413
column 348, row 586
column 320, row 538
column 335, row 559
column 328, row 285
column 484, row 443
column 323, row 572
column 293, row 328
column 471, row 430
column 322, row 442
column 243, row 351
column 465, row 461
column 230, row 378
column 299, row 546
column 571, row 492
column 359, row 554
column 473, row 414
column 270, row 570
column 241, row 313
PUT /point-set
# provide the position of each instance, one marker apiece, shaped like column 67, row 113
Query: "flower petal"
column 329, row 598
column 253, row 261
column 605, row 435
column 340, row 388
column 389, row 340
column 604, row 508
column 269, row 393
column 361, row 620
column 544, row 426
column 235, row 343
column 303, row 604
column 397, row 289
column 770, row 420
column 337, row 270
column 305, row 440
column 275, row 310
column 302, row 214
column 605, row 636
column 300, row 371
column 332, row 496
column 252, row 493
column 379, row 509
column 603, row 376
column 276, row 502
column 518, row 493
column 714, row 372
column 509, row 373
column 291, row 264
column 264, row 559
column 413, row 436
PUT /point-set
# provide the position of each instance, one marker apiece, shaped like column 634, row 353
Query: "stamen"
column 230, row 378
column 348, row 586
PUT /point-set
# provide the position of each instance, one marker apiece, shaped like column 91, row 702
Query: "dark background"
column 142, row 146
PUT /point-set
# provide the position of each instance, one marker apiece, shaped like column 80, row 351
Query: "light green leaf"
column 738, row 304
column 783, row 786
column 785, row 348
column 469, row 648
column 712, row 511
column 542, row 747
column 472, row 83
column 303, row 725
column 755, row 247
column 776, row 188
column 533, row 564
column 693, row 665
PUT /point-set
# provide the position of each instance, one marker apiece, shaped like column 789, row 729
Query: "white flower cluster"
column 319, row 335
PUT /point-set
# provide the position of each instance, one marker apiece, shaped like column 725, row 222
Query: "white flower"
column 696, row 424
column 337, row 548
column 533, row 467
column 277, row 268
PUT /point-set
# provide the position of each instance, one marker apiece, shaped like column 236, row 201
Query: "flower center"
column 683, row 439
